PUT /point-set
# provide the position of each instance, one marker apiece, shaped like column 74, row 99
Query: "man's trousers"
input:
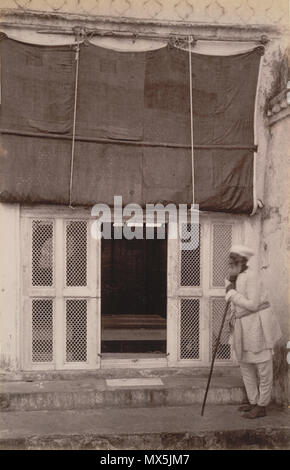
column 258, row 380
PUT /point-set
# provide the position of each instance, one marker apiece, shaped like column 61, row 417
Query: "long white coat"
column 256, row 328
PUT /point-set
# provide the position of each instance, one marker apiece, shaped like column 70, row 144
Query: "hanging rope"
column 190, row 39
column 77, row 56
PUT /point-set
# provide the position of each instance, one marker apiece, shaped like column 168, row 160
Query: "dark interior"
column 133, row 290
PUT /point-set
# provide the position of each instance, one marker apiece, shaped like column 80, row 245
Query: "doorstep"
column 120, row 388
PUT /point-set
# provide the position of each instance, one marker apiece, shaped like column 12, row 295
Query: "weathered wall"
column 9, row 286
column 275, row 235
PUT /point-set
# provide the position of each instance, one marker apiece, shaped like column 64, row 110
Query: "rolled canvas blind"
column 132, row 126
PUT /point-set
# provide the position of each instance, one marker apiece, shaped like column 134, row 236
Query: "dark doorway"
column 134, row 298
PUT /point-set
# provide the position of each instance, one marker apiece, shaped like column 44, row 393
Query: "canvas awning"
column 132, row 129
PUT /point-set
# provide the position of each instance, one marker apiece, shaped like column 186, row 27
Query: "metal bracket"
column 264, row 40
column 181, row 41
column 81, row 34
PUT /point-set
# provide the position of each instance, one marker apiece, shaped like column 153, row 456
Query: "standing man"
column 255, row 331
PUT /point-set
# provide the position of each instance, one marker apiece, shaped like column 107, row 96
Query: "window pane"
column 217, row 312
column 76, row 330
column 42, row 330
column 76, row 253
column 222, row 241
column 189, row 329
column 42, row 253
column 190, row 257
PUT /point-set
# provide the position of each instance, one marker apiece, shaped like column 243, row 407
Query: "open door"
column 134, row 297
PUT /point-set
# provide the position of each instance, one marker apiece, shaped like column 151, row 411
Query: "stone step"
column 119, row 390
column 220, row 370
column 221, row 427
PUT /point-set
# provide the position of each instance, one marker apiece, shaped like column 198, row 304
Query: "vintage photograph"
column 144, row 205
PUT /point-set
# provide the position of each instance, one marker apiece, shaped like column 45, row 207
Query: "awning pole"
column 77, row 56
column 91, row 33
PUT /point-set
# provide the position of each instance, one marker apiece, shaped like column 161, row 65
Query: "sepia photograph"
column 144, row 229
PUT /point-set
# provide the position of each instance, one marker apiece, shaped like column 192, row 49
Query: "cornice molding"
column 66, row 22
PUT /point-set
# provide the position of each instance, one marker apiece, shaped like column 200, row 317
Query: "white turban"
column 242, row 250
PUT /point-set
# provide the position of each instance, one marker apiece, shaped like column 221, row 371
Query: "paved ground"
column 92, row 411
column 222, row 427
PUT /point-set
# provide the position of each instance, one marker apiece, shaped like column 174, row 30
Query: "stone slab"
column 139, row 382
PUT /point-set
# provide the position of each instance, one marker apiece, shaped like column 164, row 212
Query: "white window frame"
column 205, row 292
column 59, row 292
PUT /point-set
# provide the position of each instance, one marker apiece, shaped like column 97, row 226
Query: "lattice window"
column 222, row 241
column 76, row 330
column 76, row 253
column 190, row 257
column 42, row 253
column 42, row 330
column 189, row 329
column 217, row 311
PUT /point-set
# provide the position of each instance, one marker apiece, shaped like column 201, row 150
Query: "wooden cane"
column 214, row 356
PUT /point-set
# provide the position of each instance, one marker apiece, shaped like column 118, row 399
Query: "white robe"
column 256, row 333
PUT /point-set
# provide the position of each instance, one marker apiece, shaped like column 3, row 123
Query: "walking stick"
column 213, row 357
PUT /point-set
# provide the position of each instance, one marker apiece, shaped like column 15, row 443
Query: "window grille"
column 189, row 329
column 222, row 241
column 76, row 253
column 190, row 257
column 42, row 253
column 42, row 330
column 217, row 312
column 76, row 330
